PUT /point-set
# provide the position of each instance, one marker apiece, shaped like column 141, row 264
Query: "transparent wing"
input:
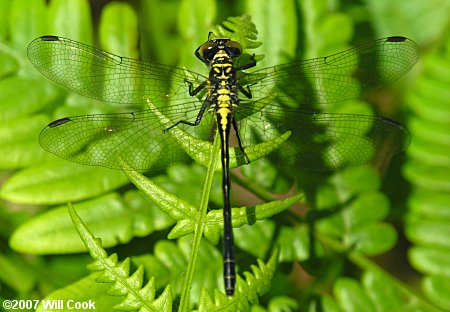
column 104, row 76
column 317, row 141
column 337, row 77
column 321, row 141
column 137, row 138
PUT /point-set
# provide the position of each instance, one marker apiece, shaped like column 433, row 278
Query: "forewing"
column 337, row 77
column 104, row 76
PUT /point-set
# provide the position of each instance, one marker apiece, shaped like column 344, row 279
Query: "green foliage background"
column 369, row 241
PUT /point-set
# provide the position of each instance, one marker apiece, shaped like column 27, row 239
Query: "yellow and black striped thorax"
column 218, row 54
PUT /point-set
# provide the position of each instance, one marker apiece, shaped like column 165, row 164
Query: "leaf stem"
column 252, row 187
column 199, row 226
column 367, row 265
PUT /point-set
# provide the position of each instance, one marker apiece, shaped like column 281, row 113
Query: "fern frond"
column 247, row 291
column 137, row 296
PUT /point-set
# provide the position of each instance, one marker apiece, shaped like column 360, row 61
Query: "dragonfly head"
column 210, row 48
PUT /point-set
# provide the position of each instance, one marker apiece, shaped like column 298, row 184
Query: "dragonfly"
column 255, row 106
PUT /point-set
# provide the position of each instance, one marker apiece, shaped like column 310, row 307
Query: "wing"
column 337, row 77
column 322, row 141
column 316, row 141
column 137, row 138
column 104, row 76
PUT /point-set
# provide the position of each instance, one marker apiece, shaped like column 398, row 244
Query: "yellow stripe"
column 223, row 112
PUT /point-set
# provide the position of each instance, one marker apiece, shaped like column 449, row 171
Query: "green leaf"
column 355, row 209
column 209, row 268
column 119, row 29
column 280, row 41
column 5, row 7
column 325, row 303
column 16, row 273
column 71, row 19
column 256, row 283
column 429, row 232
column 187, row 215
column 384, row 294
column 427, row 203
column 430, row 177
column 415, row 22
column 147, row 216
column 55, row 183
column 77, row 292
column 327, row 26
column 13, row 103
column 157, row 32
column 25, row 27
column 245, row 215
column 320, row 22
column 343, row 185
column 177, row 208
column 194, row 20
column 295, row 245
column 374, row 239
column 355, row 180
column 254, row 239
column 172, row 258
column 8, row 64
column 53, row 233
column 283, row 303
column 430, row 260
column 137, row 295
column 351, row 296
column 368, row 207
column 169, row 260
column 262, row 175
column 377, row 292
column 194, row 15
column 437, row 287
column 429, row 132
column 186, row 181
column 427, row 171
column 18, row 142
column 433, row 92
column 351, row 206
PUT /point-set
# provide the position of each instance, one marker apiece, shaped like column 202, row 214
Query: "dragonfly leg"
column 205, row 104
column 195, row 91
column 235, row 126
column 248, row 65
column 246, row 91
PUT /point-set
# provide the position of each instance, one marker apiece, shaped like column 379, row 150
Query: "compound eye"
column 206, row 51
column 234, row 47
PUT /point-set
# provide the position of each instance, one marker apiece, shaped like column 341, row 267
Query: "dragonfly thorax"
column 222, row 83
